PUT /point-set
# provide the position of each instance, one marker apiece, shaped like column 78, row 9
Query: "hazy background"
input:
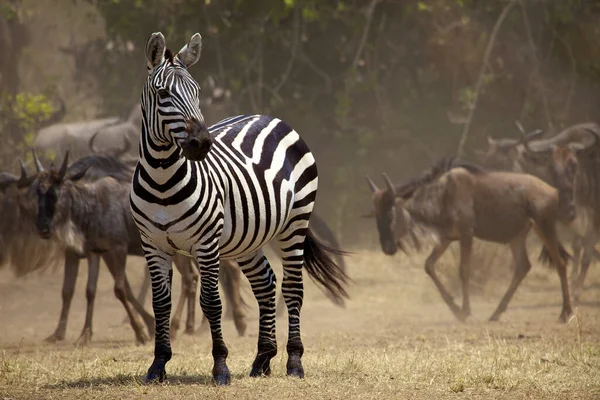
column 371, row 85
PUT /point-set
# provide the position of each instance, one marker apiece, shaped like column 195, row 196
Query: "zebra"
column 224, row 193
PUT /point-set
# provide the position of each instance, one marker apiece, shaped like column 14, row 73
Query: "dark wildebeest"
column 571, row 161
column 21, row 248
column 458, row 202
column 88, row 210
column 89, row 216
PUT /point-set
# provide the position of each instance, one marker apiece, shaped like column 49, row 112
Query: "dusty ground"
column 395, row 339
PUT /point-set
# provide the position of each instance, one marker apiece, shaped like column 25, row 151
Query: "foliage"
column 21, row 116
column 372, row 85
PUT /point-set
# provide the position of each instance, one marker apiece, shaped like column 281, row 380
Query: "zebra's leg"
column 161, row 275
column 291, row 244
column 90, row 295
column 263, row 282
column 70, row 278
column 207, row 257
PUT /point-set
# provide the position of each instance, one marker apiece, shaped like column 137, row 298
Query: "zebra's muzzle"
column 198, row 142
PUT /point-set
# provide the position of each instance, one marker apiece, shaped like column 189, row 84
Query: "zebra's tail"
column 323, row 270
column 324, row 232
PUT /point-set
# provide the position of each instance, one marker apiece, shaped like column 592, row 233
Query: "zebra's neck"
column 159, row 158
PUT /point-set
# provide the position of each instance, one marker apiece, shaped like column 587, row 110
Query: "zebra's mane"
column 169, row 56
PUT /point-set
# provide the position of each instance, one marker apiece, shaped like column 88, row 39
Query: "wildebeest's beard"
column 564, row 181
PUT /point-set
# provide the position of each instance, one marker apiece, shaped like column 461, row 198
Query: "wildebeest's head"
column 504, row 153
column 562, row 164
column 171, row 98
column 20, row 246
column 48, row 189
column 392, row 220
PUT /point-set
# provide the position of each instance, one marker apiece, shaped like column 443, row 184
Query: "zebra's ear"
column 190, row 53
column 155, row 49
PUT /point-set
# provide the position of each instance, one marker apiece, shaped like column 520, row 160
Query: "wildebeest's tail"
column 322, row 269
column 546, row 259
column 323, row 230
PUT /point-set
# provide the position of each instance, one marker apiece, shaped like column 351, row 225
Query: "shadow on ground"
column 127, row 380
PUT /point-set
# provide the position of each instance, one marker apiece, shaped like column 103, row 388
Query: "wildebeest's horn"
column 38, row 165
column 63, row 168
column 389, row 184
column 91, row 146
column 372, row 184
column 520, row 127
column 24, row 180
column 125, row 149
column 527, row 137
column 23, row 170
column 595, row 142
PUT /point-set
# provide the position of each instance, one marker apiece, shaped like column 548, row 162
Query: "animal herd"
column 254, row 181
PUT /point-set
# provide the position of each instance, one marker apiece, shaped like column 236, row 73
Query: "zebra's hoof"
column 221, row 375
column 222, row 379
column 156, row 372
column 260, row 371
column 294, row 367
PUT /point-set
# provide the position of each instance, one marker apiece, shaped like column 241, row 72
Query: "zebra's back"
column 258, row 175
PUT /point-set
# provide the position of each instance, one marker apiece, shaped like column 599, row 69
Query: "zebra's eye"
column 163, row 93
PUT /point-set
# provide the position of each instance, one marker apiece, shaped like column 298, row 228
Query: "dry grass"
column 395, row 339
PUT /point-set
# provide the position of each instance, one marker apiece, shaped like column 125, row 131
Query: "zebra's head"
column 171, row 98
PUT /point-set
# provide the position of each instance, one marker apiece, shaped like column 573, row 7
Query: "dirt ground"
column 395, row 339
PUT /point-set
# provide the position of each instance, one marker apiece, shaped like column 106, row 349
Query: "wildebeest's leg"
column 210, row 301
column 189, row 281
column 437, row 252
column 70, row 278
column 589, row 241
column 141, row 297
column 115, row 261
column 148, row 319
column 230, row 274
column 546, row 230
column 90, row 295
column 522, row 267
column 466, row 248
column 576, row 245
column 262, row 280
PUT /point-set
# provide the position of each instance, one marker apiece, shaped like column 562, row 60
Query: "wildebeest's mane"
column 100, row 166
column 438, row 169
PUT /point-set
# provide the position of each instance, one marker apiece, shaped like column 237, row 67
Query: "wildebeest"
column 506, row 154
column 511, row 155
column 89, row 216
column 111, row 133
column 571, row 161
column 459, row 202
column 20, row 247
column 88, row 210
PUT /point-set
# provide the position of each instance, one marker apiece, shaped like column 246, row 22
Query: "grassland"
column 395, row 339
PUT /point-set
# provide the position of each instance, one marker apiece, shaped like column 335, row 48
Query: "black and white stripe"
column 257, row 184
